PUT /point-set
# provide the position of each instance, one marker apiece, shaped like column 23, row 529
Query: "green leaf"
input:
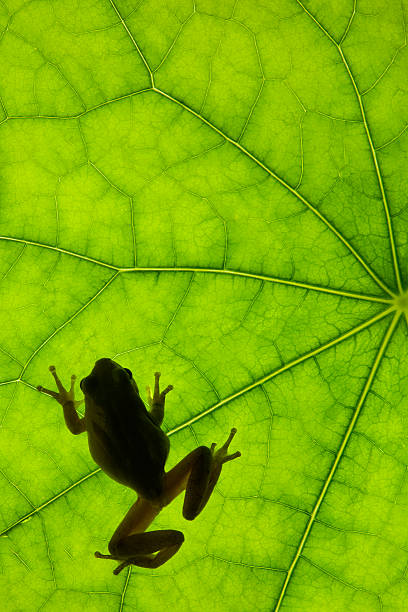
column 216, row 190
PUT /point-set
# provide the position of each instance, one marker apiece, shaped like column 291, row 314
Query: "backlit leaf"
column 216, row 190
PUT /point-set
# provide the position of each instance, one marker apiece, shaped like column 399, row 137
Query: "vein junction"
column 401, row 302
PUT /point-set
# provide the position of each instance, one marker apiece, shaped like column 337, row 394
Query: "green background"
column 216, row 190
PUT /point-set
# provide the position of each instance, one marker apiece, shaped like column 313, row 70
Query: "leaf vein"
column 286, row 185
column 366, row 388
column 371, row 145
column 263, row 277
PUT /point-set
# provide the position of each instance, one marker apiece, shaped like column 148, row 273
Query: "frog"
column 128, row 443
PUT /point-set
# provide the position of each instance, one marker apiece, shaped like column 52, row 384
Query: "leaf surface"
column 215, row 190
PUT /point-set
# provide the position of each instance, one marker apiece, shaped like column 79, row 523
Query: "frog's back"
column 135, row 456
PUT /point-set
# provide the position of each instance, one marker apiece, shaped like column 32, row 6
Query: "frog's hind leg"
column 131, row 545
column 197, row 473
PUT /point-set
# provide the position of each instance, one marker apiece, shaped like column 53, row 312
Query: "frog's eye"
column 128, row 371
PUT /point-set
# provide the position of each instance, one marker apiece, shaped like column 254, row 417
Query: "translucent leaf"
column 215, row 190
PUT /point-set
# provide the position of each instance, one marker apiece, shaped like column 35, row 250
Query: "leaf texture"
column 215, row 190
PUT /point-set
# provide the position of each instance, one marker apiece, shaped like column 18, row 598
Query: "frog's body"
column 127, row 442
column 109, row 455
column 123, row 434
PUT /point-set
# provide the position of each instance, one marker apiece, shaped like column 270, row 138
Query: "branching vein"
column 314, row 210
column 142, row 57
column 371, row 145
column 263, row 277
column 259, row 383
column 377, row 361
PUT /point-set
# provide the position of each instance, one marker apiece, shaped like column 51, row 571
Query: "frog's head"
column 108, row 379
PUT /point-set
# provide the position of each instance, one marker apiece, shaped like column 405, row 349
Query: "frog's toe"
column 99, row 555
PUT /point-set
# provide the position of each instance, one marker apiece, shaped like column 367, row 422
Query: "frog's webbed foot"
column 63, row 396
column 150, row 549
column 141, row 560
column 220, row 456
column 120, row 567
column 158, row 397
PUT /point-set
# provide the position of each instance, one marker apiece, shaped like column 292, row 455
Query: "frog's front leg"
column 198, row 473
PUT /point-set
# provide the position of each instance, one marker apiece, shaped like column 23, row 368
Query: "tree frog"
column 126, row 441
